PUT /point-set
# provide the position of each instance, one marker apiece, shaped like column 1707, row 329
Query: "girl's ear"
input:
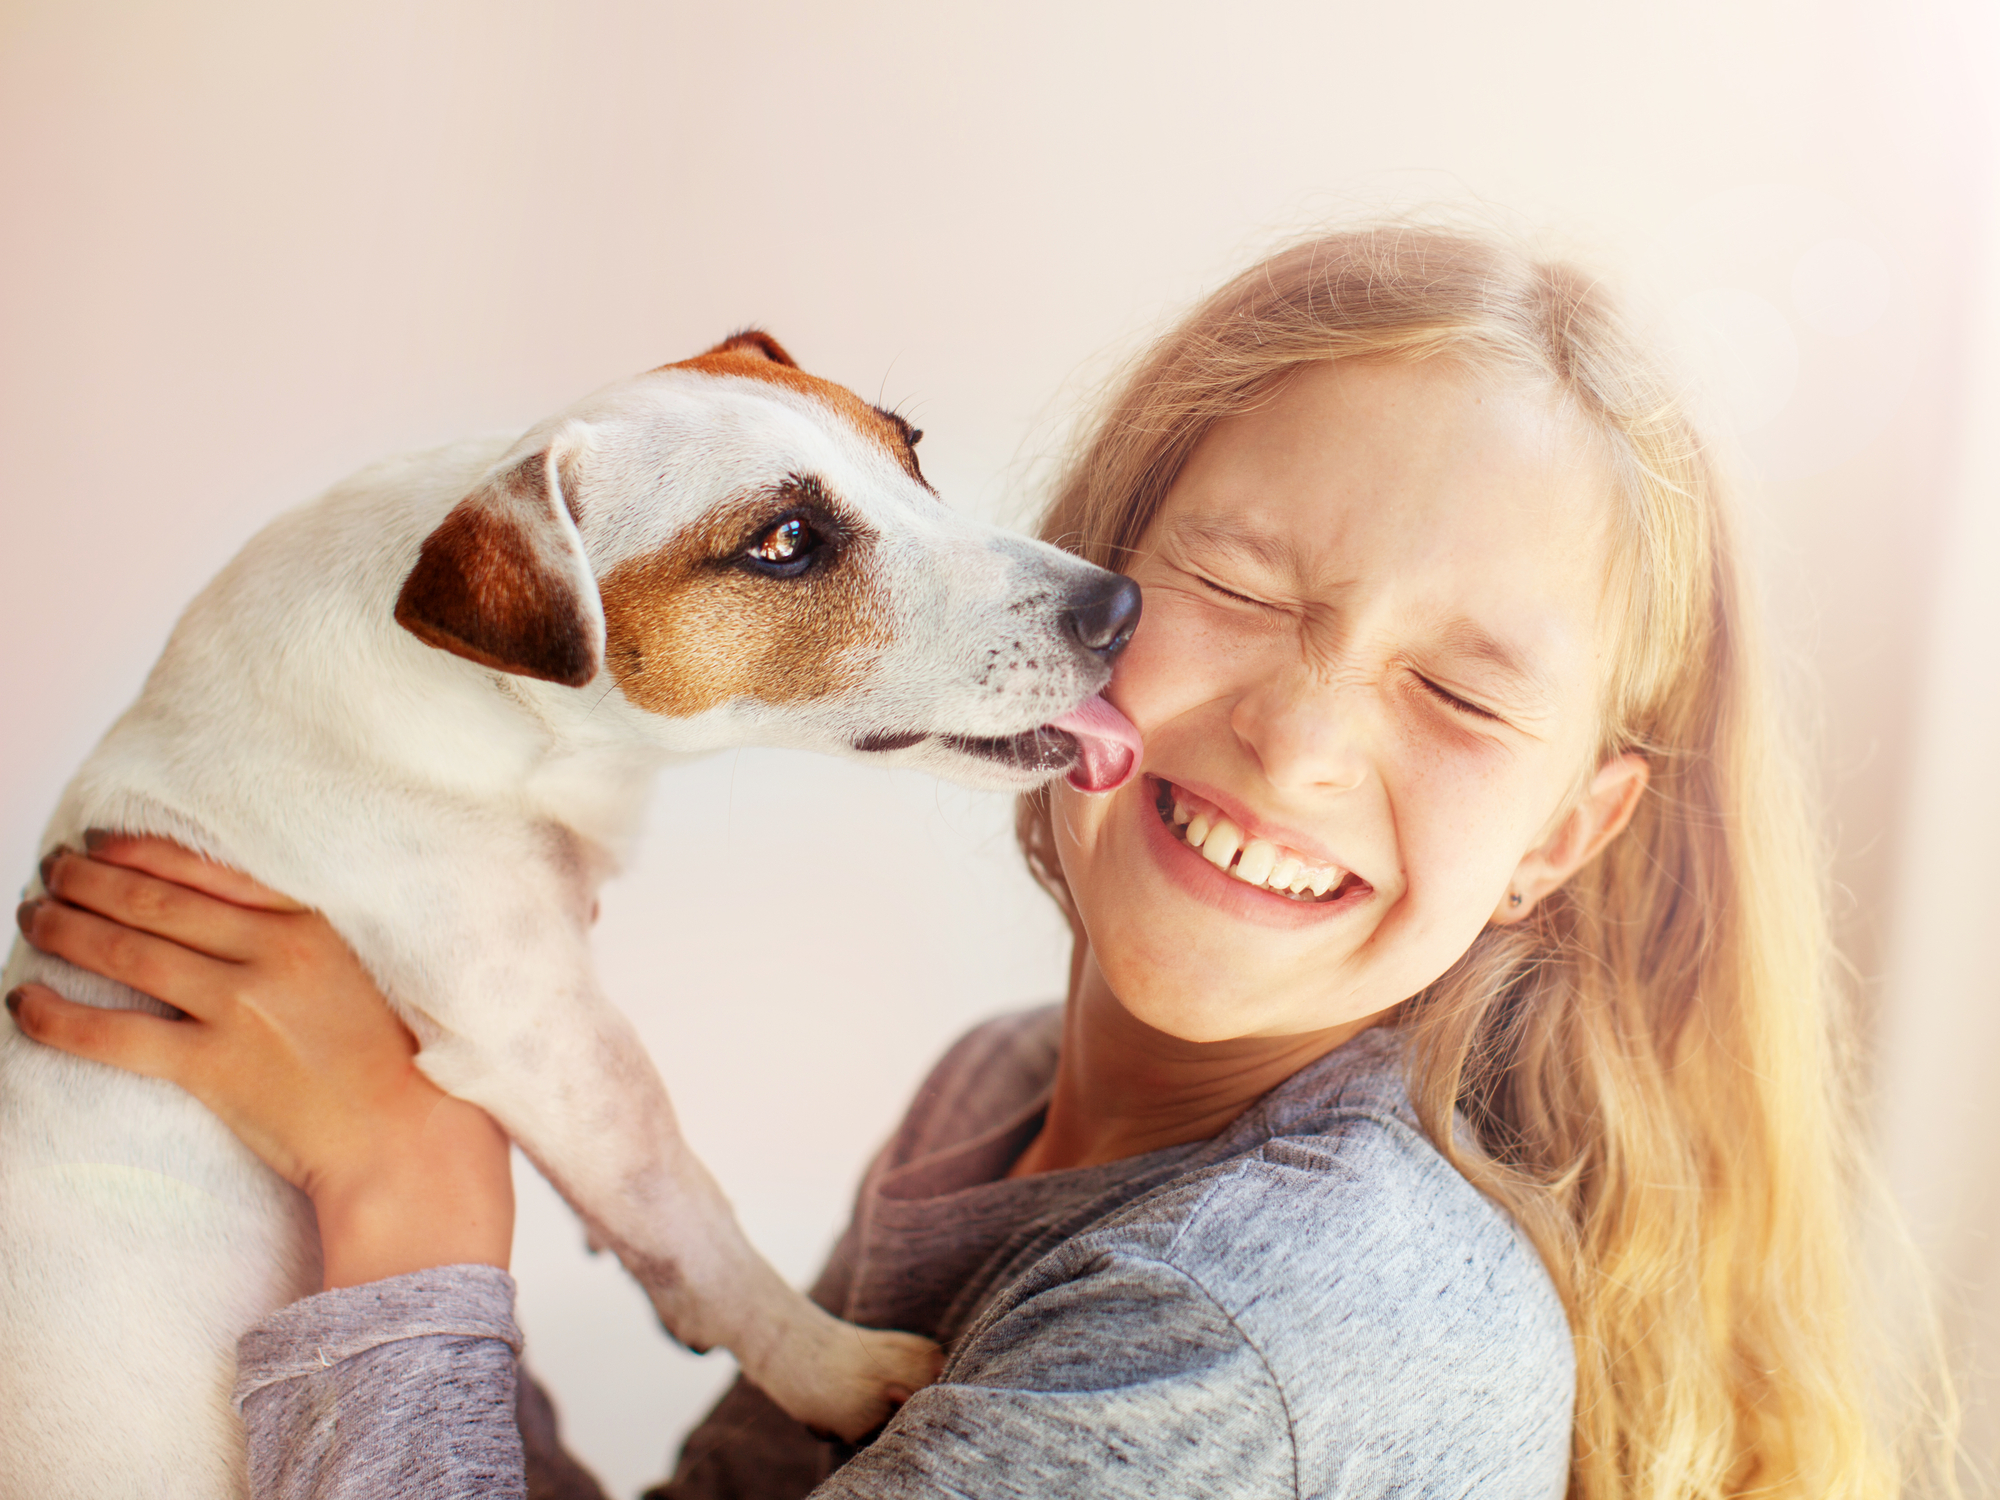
column 1606, row 807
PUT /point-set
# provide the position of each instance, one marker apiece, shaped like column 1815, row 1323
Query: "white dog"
column 429, row 704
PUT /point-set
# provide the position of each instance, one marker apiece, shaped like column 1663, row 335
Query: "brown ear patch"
column 755, row 343
column 755, row 354
column 492, row 587
column 688, row 629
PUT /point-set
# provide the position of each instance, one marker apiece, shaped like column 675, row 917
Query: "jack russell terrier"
column 429, row 705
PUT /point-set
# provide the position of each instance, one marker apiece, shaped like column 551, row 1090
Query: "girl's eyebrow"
column 1275, row 554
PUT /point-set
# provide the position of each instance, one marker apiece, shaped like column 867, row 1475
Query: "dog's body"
column 621, row 587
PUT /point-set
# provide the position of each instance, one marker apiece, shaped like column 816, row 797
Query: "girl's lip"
column 1302, row 844
column 1201, row 880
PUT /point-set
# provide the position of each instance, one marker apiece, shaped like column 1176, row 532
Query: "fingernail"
column 24, row 914
column 49, row 863
column 13, row 1002
column 95, row 839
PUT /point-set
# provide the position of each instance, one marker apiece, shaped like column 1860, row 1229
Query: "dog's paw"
column 851, row 1380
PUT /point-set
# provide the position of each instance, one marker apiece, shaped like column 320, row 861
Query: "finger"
column 128, row 1039
column 153, row 966
column 135, row 899
column 169, row 861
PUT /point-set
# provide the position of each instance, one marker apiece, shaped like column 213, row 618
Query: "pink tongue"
column 1109, row 743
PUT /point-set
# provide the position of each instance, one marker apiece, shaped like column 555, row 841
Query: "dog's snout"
column 1103, row 615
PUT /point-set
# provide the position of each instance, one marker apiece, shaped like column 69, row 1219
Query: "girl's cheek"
column 1142, row 682
column 1177, row 660
column 1463, row 822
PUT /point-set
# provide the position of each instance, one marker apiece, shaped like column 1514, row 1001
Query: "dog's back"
column 138, row 1237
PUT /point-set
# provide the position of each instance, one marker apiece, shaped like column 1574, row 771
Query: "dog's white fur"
column 453, row 822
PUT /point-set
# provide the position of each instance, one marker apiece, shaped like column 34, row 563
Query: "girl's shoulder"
column 1313, row 1302
column 1384, row 1294
column 1328, row 1194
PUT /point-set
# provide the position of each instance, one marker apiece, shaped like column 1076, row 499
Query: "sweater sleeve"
column 400, row 1387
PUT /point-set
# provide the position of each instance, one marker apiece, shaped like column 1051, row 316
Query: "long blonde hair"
column 1654, row 1064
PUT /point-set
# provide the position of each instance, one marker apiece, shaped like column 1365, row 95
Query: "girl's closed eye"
column 1460, row 705
column 1227, row 593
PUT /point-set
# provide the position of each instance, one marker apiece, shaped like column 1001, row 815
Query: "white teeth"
column 1263, row 863
column 1259, row 859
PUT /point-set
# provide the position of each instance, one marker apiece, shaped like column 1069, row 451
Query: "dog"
column 429, row 705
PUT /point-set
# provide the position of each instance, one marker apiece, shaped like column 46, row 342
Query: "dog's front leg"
column 580, row 1096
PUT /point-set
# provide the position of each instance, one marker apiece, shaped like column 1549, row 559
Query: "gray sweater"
column 1312, row 1303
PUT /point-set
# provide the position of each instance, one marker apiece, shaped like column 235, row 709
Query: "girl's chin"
column 1212, row 1000
column 1205, row 1022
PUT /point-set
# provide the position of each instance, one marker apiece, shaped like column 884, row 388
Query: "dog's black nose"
column 1103, row 615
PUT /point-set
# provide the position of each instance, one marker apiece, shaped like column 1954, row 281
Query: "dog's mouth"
column 1097, row 745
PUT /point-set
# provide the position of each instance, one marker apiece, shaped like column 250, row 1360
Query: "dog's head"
column 750, row 554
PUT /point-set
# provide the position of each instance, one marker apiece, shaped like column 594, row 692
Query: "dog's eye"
column 787, row 548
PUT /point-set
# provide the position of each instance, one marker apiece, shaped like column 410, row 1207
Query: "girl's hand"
column 286, row 1038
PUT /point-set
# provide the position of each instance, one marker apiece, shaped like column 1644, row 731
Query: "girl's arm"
column 288, row 1040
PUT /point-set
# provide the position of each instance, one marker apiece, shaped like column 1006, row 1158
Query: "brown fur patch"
column 754, row 341
column 487, row 588
column 687, row 628
column 756, row 355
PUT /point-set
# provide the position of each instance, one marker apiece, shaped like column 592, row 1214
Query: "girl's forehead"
column 1428, row 499
column 1409, row 464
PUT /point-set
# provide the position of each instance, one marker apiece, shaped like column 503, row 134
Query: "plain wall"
column 245, row 248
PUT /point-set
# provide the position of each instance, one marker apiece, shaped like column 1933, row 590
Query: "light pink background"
column 248, row 247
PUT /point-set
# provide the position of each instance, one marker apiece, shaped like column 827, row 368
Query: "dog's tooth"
column 1323, row 880
column 1259, row 858
column 1197, row 829
column 1284, row 873
column 1299, row 882
column 1220, row 847
column 1182, row 812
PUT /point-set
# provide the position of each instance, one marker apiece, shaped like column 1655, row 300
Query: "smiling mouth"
column 1266, row 866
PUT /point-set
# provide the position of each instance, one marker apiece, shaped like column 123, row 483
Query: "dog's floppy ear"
column 503, row 580
column 755, row 343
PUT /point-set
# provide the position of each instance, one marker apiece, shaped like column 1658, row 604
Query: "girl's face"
column 1370, row 668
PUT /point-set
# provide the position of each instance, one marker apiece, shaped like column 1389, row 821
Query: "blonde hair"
column 1654, row 1064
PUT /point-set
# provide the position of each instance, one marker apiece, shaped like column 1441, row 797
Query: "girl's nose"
column 1306, row 734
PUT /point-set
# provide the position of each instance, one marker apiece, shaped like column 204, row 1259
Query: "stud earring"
column 1513, row 898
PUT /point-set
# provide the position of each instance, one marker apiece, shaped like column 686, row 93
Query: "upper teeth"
column 1253, row 861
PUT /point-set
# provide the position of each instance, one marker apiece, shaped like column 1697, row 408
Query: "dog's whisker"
column 883, row 389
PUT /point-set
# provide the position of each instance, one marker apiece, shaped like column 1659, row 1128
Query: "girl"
column 1448, row 1096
